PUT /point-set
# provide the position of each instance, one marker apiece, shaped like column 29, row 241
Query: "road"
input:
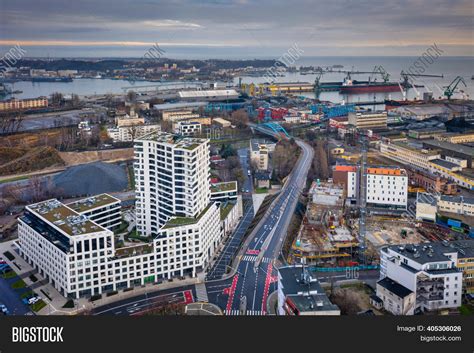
column 255, row 274
column 245, row 290
column 232, row 245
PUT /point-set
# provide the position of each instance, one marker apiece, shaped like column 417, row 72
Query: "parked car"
column 4, row 309
column 33, row 300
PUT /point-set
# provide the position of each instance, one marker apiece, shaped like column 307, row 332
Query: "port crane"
column 449, row 90
column 406, row 78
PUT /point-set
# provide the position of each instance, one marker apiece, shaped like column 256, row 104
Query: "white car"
column 33, row 300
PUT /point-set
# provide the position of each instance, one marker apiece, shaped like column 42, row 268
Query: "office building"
column 103, row 209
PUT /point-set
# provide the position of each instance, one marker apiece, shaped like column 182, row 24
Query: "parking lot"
column 11, row 298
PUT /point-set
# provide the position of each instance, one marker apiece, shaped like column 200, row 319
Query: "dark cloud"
column 343, row 25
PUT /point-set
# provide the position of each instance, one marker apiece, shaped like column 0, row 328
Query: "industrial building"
column 368, row 120
column 19, row 104
column 448, row 149
column 209, row 95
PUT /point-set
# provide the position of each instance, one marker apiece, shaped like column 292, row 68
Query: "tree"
column 131, row 96
column 57, row 98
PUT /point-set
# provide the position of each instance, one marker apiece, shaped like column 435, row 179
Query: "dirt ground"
column 352, row 299
column 388, row 232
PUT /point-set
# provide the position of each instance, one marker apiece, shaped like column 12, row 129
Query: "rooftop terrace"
column 64, row 218
column 93, row 202
column 179, row 141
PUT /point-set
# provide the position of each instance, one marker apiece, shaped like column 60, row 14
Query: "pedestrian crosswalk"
column 201, row 292
column 248, row 313
column 251, row 258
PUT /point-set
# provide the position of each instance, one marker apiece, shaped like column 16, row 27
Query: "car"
column 33, row 300
column 4, row 309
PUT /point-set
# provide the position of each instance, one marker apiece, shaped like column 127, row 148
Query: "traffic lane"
column 115, row 306
column 149, row 304
column 11, row 299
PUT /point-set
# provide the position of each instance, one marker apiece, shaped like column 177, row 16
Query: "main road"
column 245, row 290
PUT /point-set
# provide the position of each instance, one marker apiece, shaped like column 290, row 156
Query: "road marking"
column 232, row 292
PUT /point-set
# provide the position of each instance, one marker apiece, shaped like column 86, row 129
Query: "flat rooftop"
column 184, row 221
column 92, row 202
column 136, row 250
column 225, row 186
column 448, row 146
column 63, row 217
column 431, row 252
column 179, row 141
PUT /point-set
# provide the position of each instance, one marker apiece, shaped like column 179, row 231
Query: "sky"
column 236, row 29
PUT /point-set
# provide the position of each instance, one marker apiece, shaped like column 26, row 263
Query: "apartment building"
column 69, row 250
column 103, row 209
column 16, row 104
column 188, row 128
column 171, row 179
column 259, row 155
column 368, row 120
column 386, row 187
column 127, row 133
column 429, row 270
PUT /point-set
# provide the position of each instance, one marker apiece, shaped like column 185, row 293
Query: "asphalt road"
column 255, row 276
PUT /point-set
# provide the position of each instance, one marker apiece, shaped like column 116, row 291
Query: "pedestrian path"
column 201, row 293
column 248, row 313
column 251, row 258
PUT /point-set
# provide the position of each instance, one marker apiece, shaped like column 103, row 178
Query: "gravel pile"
column 92, row 178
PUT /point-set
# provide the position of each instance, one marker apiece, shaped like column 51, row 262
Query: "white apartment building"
column 69, row 250
column 103, row 209
column 78, row 257
column 188, row 128
column 387, row 187
column 171, row 179
column 428, row 270
column 128, row 133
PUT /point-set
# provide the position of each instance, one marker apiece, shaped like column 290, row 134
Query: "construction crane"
column 362, row 202
column 406, row 78
column 449, row 90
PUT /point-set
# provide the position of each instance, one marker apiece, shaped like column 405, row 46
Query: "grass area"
column 134, row 235
column 9, row 274
column 40, row 304
column 27, row 294
column 18, row 284
column 466, row 309
column 18, row 178
column 261, row 190
column 121, row 228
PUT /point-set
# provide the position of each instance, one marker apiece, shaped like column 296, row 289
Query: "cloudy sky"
column 240, row 28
